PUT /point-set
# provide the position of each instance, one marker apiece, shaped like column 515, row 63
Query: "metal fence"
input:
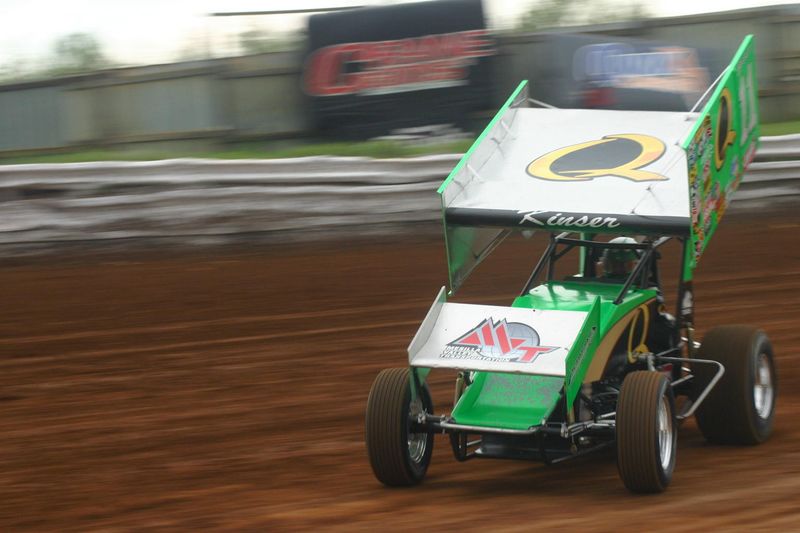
column 196, row 198
column 223, row 99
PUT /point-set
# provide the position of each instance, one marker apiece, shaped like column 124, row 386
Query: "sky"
column 158, row 31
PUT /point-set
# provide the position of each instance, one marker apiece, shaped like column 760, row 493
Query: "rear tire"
column 740, row 408
column 647, row 434
column 398, row 456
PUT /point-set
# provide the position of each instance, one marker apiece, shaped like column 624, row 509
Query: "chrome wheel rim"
column 665, row 440
column 763, row 390
column 417, row 442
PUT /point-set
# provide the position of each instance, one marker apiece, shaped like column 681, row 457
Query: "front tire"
column 399, row 456
column 740, row 408
column 647, row 435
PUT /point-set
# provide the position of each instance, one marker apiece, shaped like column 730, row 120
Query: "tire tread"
column 637, row 408
column 726, row 415
column 384, row 428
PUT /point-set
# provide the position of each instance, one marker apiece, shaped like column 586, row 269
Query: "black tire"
column 732, row 413
column 395, row 460
column 646, row 424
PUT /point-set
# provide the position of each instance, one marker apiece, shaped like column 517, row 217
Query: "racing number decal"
column 634, row 351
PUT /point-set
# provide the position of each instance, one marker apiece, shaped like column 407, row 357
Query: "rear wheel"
column 399, row 456
column 647, row 435
column 741, row 407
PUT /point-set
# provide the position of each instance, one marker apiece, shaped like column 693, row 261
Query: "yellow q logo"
column 634, row 351
column 650, row 149
column 724, row 134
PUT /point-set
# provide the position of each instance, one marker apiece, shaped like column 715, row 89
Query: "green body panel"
column 581, row 353
column 511, row 401
column 721, row 144
column 580, row 296
column 519, row 401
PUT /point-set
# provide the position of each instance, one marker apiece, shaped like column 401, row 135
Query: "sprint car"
column 587, row 356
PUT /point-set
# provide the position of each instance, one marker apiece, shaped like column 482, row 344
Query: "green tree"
column 77, row 53
column 546, row 14
column 13, row 71
column 256, row 41
column 556, row 13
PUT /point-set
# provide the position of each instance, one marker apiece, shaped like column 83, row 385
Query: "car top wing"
column 600, row 171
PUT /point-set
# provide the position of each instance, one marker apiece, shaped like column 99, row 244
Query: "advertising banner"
column 610, row 72
column 371, row 70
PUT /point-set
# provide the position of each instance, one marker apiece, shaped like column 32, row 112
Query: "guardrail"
column 312, row 196
column 779, row 147
column 184, row 198
column 774, row 175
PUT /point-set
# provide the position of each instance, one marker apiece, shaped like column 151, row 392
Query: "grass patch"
column 780, row 128
column 374, row 149
column 277, row 150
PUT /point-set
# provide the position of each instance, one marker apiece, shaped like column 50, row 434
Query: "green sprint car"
column 587, row 356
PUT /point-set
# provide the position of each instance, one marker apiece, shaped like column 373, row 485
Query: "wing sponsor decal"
column 724, row 127
column 707, row 196
column 500, row 341
column 718, row 153
column 556, row 220
column 621, row 155
column 564, row 221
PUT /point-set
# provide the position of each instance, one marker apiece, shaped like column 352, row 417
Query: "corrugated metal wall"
column 260, row 96
column 32, row 118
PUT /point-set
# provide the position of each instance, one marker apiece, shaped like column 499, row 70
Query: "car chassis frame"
column 602, row 426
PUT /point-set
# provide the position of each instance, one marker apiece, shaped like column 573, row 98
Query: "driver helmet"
column 618, row 263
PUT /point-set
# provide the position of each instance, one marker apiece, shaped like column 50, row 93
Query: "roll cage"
column 645, row 274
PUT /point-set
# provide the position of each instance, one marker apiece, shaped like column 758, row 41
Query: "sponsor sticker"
column 499, row 341
column 386, row 67
column 540, row 218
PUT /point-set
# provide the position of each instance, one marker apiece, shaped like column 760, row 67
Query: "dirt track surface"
column 226, row 390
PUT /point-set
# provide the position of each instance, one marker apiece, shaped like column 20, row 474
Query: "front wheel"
column 647, row 435
column 399, row 456
column 741, row 407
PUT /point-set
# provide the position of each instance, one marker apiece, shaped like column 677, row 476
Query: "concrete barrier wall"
column 189, row 198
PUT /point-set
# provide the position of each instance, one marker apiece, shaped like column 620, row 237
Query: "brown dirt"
column 225, row 390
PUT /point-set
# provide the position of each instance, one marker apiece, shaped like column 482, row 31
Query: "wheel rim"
column 665, row 439
column 417, row 442
column 763, row 390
